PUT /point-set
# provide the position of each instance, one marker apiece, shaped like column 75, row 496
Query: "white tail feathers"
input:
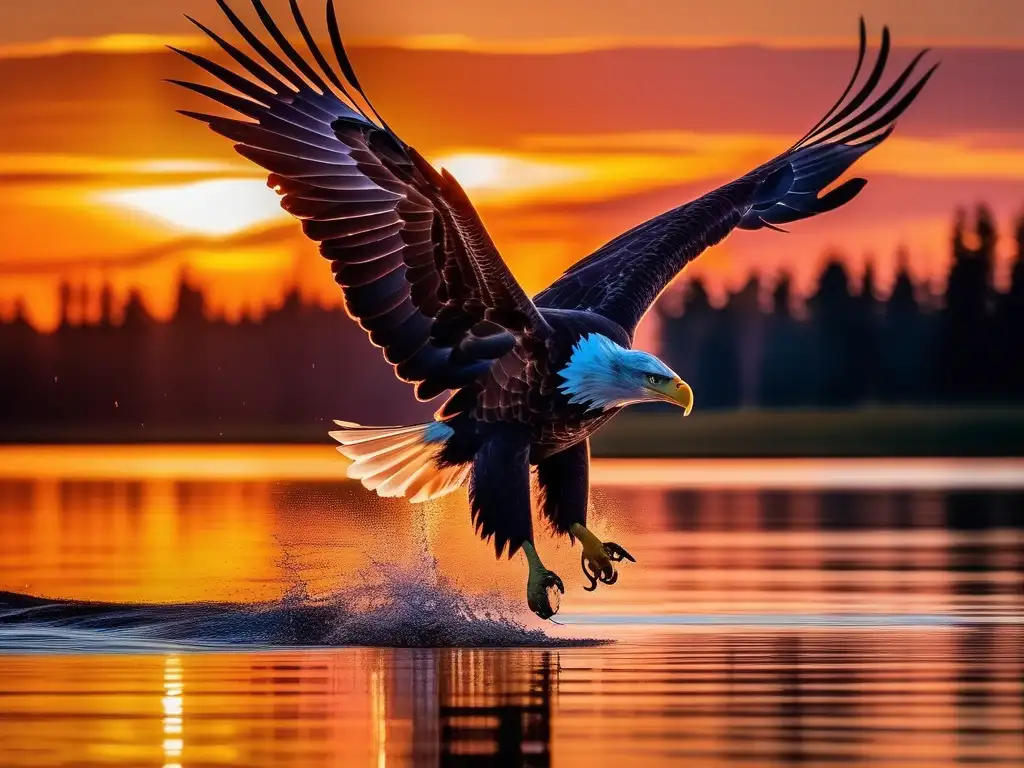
column 400, row 461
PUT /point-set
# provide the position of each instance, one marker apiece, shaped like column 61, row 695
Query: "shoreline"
column 871, row 432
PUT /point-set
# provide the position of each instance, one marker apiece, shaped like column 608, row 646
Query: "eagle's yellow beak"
column 682, row 396
column 678, row 392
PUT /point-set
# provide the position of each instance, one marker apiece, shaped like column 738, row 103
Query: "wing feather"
column 417, row 268
column 623, row 278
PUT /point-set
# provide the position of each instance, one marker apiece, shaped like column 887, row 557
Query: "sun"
column 478, row 171
column 507, row 177
column 216, row 207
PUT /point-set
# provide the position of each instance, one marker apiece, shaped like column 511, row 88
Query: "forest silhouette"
column 850, row 347
column 291, row 371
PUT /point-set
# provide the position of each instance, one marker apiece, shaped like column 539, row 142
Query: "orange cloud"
column 451, row 22
column 709, row 155
column 594, row 43
column 27, row 164
column 120, row 43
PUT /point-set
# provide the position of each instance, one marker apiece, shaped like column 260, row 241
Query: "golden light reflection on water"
column 721, row 694
column 319, row 462
column 705, row 698
column 379, row 715
column 173, row 704
column 173, row 535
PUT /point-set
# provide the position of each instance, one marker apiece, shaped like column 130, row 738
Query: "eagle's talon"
column 597, row 562
column 617, row 553
column 590, row 576
column 540, row 588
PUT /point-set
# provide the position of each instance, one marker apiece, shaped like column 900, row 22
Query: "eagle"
column 528, row 379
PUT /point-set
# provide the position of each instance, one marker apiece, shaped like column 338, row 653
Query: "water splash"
column 391, row 607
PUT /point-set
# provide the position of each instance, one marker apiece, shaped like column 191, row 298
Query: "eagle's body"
column 529, row 379
column 529, row 389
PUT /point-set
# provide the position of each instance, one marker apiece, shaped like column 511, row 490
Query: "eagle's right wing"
column 418, row 270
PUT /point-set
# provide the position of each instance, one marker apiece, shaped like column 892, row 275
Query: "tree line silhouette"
column 850, row 347
column 301, row 365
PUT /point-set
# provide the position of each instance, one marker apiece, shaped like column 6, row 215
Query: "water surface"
column 780, row 613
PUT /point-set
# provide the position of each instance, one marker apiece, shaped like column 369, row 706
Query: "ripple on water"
column 396, row 607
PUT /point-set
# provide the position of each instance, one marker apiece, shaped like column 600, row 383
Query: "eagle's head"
column 601, row 374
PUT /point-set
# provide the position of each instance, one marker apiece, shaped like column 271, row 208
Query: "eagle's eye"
column 655, row 380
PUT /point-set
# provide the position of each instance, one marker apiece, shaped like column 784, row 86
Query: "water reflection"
column 934, row 697
column 173, row 703
column 942, row 685
column 705, row 552
column 508, row 723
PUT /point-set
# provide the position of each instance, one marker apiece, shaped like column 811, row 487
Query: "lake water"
column 781, row 612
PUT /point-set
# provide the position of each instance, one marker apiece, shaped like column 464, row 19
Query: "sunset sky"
column 568, row 122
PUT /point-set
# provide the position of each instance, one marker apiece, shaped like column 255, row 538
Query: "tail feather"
column 378, row 469
column 366, row 451
column 400, row 461
column 439, row 484
column 398, row 484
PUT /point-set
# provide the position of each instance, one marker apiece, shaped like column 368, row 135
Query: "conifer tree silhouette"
column 784, row 380
column 905, row 349
column 1008, row 334
column 834, row 310
column 965, row 342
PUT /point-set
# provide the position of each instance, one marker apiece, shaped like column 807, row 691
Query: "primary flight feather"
column 530, row 379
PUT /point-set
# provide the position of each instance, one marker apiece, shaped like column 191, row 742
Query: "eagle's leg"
column 598, row 557
column 541, row 585
column 500, row 502
column 564, row 480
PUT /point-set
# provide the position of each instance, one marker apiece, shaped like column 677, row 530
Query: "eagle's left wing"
column 622, row 279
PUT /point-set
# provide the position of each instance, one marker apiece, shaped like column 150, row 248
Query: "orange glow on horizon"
column 227, row 462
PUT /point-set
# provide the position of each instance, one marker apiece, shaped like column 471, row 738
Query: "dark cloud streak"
column 175, row 249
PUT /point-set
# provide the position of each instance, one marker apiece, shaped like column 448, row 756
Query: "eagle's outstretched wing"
column 418, row 270
column 622, row 279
